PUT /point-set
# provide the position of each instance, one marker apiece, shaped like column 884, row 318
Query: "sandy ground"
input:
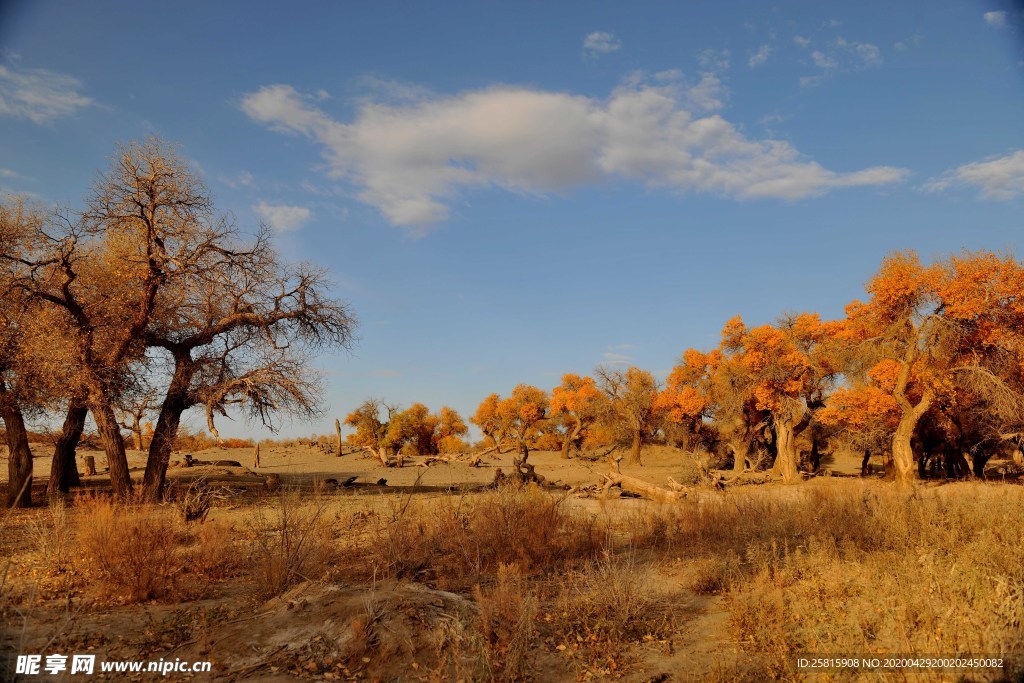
column 303, row 465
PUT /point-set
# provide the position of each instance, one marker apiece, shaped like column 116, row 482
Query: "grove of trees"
column 927, row 373
column 146, row 296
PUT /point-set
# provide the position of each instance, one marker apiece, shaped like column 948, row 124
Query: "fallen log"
column 639, row 486
column 642, row 488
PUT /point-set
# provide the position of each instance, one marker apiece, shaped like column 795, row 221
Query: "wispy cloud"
column 997, row 19
column 999, row 177
column 760, row 57
column 715, row 61
column 242, row 179
column 908, row 43
column 282, row 217
column 613, row 358
column 601, row 43
column 411, row 161
column 39, row 95
column 841, row 56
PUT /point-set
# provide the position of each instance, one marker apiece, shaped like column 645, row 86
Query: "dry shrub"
column 363, row 638
column 711, row 575
column 194, row 501
column 237, row 443
column 602, row 608
column 457, row 541
column 506, row 623
column 214, row 553
column 52, row 535
column 133, row 547
column 291, row 542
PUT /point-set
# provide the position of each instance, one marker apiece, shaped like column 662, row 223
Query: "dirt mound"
column 328, row 630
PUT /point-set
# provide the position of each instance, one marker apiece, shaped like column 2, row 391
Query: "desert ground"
column 436, row 575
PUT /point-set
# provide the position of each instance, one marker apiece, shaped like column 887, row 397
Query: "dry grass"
column 823, row 568
column 291, row 542
column 506, row 625
column 456, row 542
column 133, row 548
column 860, row 569
column 604, row 607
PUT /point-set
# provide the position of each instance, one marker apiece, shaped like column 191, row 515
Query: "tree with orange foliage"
column 450, row 430
column 717, row 386
column 791, row 368
column 413, row 430
column 373, row 433
column 868, row 416
column 514, row 420
column 522, row 414
column 775, row 375
column 488, row 420
column 578, row 400
column 630, row 399
column 952, row 330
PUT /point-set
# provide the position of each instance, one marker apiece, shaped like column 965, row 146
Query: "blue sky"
column 505, row 193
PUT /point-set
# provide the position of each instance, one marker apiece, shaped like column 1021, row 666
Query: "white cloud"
column 760, row 57
column 282, row 217
column 996, row 177
column 411, row 161
column 601, row 43
column 39, row 95
column 8, row 173
column 997, row 19
column 801, row 41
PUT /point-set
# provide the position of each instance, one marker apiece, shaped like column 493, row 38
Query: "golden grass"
column 824, row 568
column 290, row 542
column 455, row 542
column 860, row 569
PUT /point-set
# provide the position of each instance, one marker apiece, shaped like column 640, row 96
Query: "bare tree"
column 133, row 408
column 101, row 272
column 234, row 332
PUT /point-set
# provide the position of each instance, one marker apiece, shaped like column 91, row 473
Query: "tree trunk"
column 337, row 434
column 64, row 467
column 902, row 451
column 19, row 455
column 641, row 488
column 524, row 449
column 865, row 463
column 176, row 402
column 570, row 437
column 634, row 451
column 740, row 453
column 786, row 457
column 815, row 456
column 113, row 445
column 978, row 463
column 137, row 431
